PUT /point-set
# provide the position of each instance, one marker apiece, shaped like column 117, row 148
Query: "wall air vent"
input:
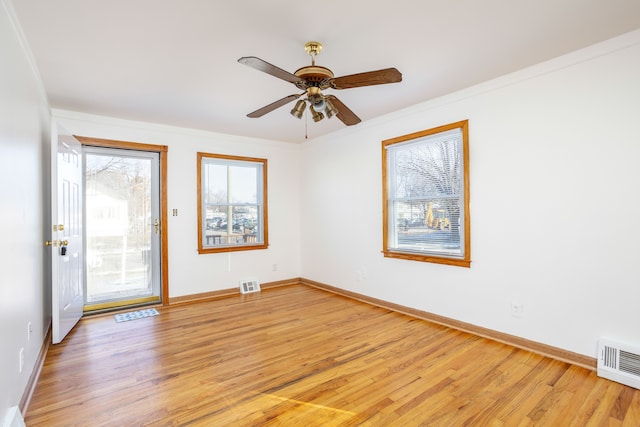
column 248, row 286
column 619, row 362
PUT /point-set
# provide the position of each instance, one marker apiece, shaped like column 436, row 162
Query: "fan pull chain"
column 306, row 124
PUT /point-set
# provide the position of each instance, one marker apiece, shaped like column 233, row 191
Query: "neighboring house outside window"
column 426, row 196
column 232, row 203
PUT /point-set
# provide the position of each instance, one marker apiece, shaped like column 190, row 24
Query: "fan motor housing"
column 314, row 74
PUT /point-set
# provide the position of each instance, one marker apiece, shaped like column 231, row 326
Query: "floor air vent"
column 249, row 286
column 619, row 362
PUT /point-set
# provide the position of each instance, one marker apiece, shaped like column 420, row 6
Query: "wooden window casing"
column 429, row 232
column 215, row 238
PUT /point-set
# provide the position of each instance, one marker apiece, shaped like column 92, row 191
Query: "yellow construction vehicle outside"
column 436, row 219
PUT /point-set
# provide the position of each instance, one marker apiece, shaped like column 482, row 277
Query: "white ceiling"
column 175, row 61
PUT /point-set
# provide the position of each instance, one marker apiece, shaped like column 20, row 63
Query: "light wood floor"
column 300, row 356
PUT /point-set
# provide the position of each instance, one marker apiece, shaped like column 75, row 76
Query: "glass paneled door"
column 122, row 224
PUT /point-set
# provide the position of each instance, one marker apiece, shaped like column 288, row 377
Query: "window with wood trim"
column 232, row 203
column 426, row 196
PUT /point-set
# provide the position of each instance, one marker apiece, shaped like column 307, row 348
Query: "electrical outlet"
column 29, row 331
column 21, row 360
column 274, row 267
column 361, row 274
column 516, row 309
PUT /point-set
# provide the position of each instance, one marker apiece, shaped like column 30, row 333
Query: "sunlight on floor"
column 297, row 412
column 298, row 402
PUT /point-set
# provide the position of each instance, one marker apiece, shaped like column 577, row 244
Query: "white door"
column 67, row 242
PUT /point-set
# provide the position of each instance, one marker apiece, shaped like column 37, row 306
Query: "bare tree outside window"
column 425, row 191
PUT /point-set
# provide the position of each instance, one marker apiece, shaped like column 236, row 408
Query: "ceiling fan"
column 313, row 79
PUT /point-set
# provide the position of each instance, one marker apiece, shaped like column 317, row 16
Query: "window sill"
column 215, row 250
column 427, row 258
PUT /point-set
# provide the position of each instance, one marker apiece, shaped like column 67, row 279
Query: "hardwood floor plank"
column 301, row 356
column 632, row 417
column 622, row 403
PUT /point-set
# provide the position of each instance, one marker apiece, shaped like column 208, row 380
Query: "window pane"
column 243, row 184
column 431, row 226
column 230, row 184
column 429, row 169
column 244, row 226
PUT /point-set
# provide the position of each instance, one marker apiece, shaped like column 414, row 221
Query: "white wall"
column 189, row 272
column 24, row 172
column 554, row 203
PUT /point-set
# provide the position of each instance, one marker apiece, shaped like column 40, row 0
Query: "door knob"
column 51, row 243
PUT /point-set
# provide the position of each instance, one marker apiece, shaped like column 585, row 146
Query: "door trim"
column 164, row 238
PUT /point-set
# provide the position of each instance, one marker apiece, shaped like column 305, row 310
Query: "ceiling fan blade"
column 265, row 67
column 347, row 116
column 269, row 108
column 380, row 77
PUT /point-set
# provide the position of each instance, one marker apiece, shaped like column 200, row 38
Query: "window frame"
column 461, row 261
column 263, row 206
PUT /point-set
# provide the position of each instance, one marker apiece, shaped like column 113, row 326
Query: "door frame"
column 164, row 238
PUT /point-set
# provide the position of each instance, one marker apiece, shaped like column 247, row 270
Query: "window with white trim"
column 232, row 203
column 426, row 196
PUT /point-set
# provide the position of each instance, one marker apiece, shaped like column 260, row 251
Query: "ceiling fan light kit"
column 317, row 115
column 329, row 109
column 313, row 79
column 298, row 110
